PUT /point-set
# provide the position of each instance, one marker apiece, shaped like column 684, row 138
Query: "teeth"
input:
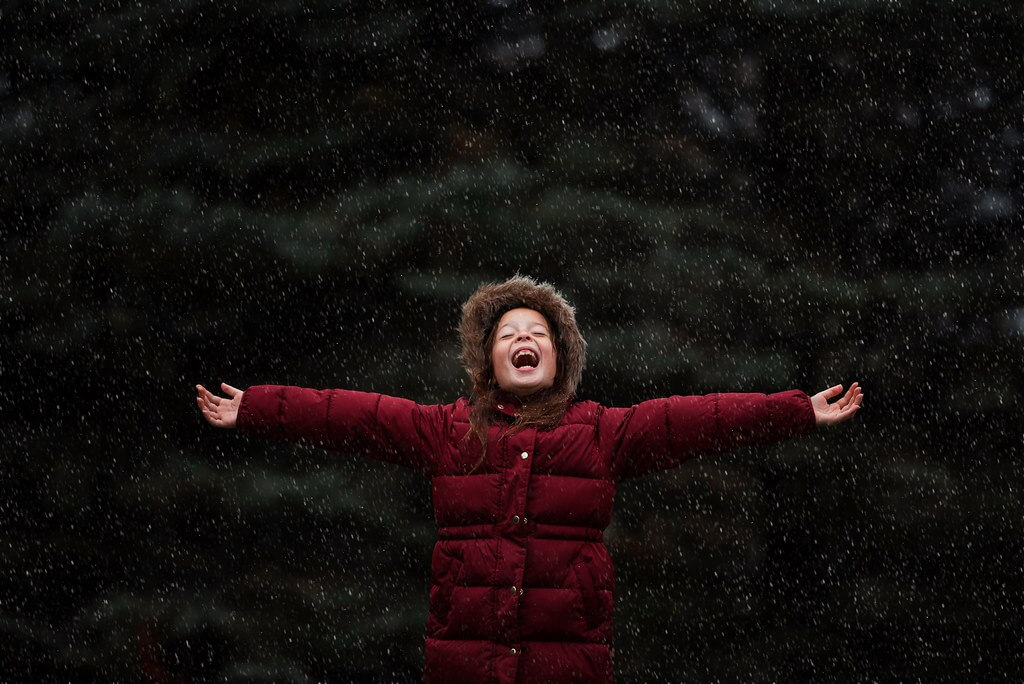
column 529, row 356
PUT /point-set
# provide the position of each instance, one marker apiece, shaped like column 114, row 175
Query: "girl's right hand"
column 220, row 412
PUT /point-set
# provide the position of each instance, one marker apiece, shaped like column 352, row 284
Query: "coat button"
column 512, row 651
column 514, row 589
column 524, row 521
column 515, row 519
column 524, row 455
column 501, row 407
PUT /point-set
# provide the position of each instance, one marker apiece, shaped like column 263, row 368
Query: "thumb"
column 832, row 392
column 232, row 392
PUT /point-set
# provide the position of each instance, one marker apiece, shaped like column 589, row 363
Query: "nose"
column 523, row 335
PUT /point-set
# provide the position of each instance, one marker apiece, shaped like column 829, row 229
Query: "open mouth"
column 524, row 358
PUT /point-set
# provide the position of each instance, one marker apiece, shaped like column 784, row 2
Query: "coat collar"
column 507, row 403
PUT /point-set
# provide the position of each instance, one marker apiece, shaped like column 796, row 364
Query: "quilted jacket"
column 521, row 582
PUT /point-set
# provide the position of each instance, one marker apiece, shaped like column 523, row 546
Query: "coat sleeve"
column 386, row 428
column 662, row 433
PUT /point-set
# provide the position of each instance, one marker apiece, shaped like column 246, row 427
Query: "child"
column 524, row 478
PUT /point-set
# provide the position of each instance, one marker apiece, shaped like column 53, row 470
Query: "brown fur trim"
column 480, row 314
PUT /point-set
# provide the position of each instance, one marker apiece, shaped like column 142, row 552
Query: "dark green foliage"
column 736, row 196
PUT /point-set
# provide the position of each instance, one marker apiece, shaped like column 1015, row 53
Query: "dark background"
column 737, row 196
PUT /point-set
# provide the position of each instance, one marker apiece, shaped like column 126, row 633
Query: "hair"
column 477, row 330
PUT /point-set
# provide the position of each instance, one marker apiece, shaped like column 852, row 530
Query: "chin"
column 528, row 391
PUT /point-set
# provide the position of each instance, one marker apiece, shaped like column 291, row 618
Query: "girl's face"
column 523, row 355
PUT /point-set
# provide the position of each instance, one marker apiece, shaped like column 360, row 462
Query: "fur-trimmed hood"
column 481, row 312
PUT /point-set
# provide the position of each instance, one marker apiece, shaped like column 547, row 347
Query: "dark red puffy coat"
column 522, row 584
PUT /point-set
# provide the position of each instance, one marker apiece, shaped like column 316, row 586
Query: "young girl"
column 524, row 478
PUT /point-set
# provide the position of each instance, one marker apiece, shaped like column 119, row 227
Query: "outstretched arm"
column 662, row 433
column 220, row 412
column 840, row 411
column 382, row 427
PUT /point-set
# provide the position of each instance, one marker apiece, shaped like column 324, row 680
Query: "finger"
column 211, row 398
column 855, row 402
column 842, row 402
column 850, row 395
column 231, row 391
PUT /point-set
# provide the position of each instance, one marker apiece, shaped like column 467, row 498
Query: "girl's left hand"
column 842, row 410
column 220, row 412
